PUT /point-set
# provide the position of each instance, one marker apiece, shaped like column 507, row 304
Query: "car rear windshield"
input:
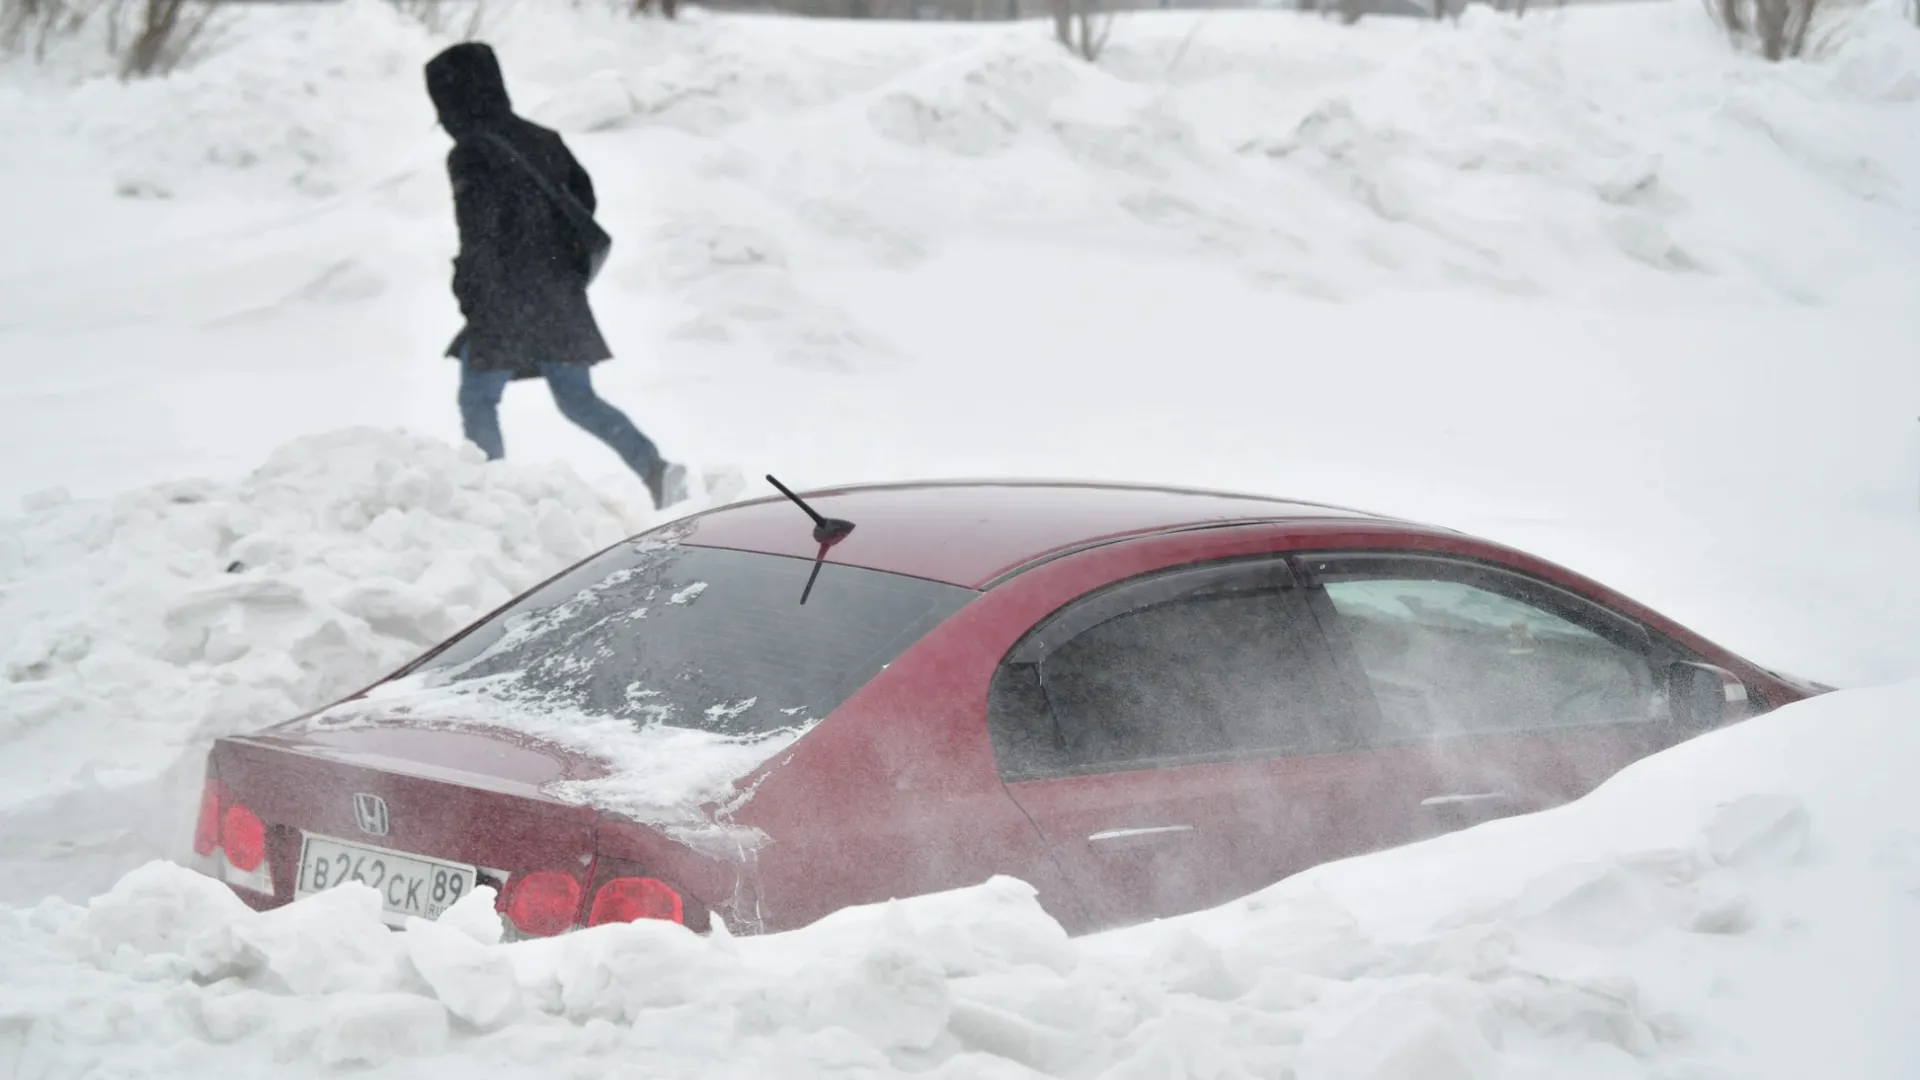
column 694, row 637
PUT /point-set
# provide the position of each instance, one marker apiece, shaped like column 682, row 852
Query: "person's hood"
column 467, row 88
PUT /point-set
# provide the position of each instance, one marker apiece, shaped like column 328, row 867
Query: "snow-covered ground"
column 1588, row 282
column 1744, row 906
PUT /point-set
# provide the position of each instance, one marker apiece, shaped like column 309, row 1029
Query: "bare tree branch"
column 1780, row 28
column 167, row 30
column 668, row 8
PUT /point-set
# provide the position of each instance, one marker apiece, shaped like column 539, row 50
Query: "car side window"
column 1160, row 673
column 1451, row 649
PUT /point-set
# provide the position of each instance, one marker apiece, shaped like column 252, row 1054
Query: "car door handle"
column 1466, row 799
column 1143, row 836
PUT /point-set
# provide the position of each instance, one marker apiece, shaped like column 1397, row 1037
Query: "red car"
column 1143, row 701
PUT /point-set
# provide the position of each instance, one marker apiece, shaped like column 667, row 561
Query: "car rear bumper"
column 259, row 895
column 255, row 889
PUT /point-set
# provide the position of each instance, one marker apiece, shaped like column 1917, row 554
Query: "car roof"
column 971, row 532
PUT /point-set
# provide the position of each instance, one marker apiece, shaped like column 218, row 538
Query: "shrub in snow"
column 165, row 30
column 668, row 8
column 33, row 24
column 143, row 37
column 1779, row 28
column 1083, row 26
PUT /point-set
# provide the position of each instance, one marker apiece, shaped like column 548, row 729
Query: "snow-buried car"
column 1143, row 701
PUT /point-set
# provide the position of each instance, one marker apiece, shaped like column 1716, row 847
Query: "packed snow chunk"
column 161, row 909
column 476, row 916
column 997, row 925
column 618, row 971
column 475, row 981
column 984, row 1028
column 373, row 1029
column 333, row 942
column 224, row 621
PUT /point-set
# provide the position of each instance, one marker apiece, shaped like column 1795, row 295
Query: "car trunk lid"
column 421, row 815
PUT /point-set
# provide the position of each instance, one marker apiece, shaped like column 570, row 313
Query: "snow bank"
column 133, row 631
column 1574, row 153
column 1746, row 905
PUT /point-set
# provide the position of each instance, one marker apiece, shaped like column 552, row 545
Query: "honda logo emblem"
column 370, row 811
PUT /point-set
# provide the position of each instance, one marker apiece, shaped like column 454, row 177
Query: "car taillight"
column 244, row 836
column 206, row 831
column 232, row 831
column 625, row 899
column 544, row 902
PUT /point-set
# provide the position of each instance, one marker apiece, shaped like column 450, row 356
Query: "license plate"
column 407, row 884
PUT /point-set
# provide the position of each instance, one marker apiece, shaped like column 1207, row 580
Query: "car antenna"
column 826, row 532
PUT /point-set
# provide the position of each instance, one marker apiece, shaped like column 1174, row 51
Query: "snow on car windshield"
column 707, row 639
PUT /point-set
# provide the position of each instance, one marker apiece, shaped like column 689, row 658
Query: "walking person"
column 524, row 208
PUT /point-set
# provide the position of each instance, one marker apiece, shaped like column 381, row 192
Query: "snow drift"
column 1576, row 154
column 1745, row 905
column 134, row 631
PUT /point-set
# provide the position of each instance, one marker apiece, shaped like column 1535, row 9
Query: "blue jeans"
column 572, row 386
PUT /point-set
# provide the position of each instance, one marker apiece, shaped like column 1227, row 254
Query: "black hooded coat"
column 517, row 279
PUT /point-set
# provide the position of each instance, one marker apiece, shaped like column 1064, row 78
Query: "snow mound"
column 1580, row 154
column 1690, row 919
column 133, row 631
column 1574, row 153
column 302, row 126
